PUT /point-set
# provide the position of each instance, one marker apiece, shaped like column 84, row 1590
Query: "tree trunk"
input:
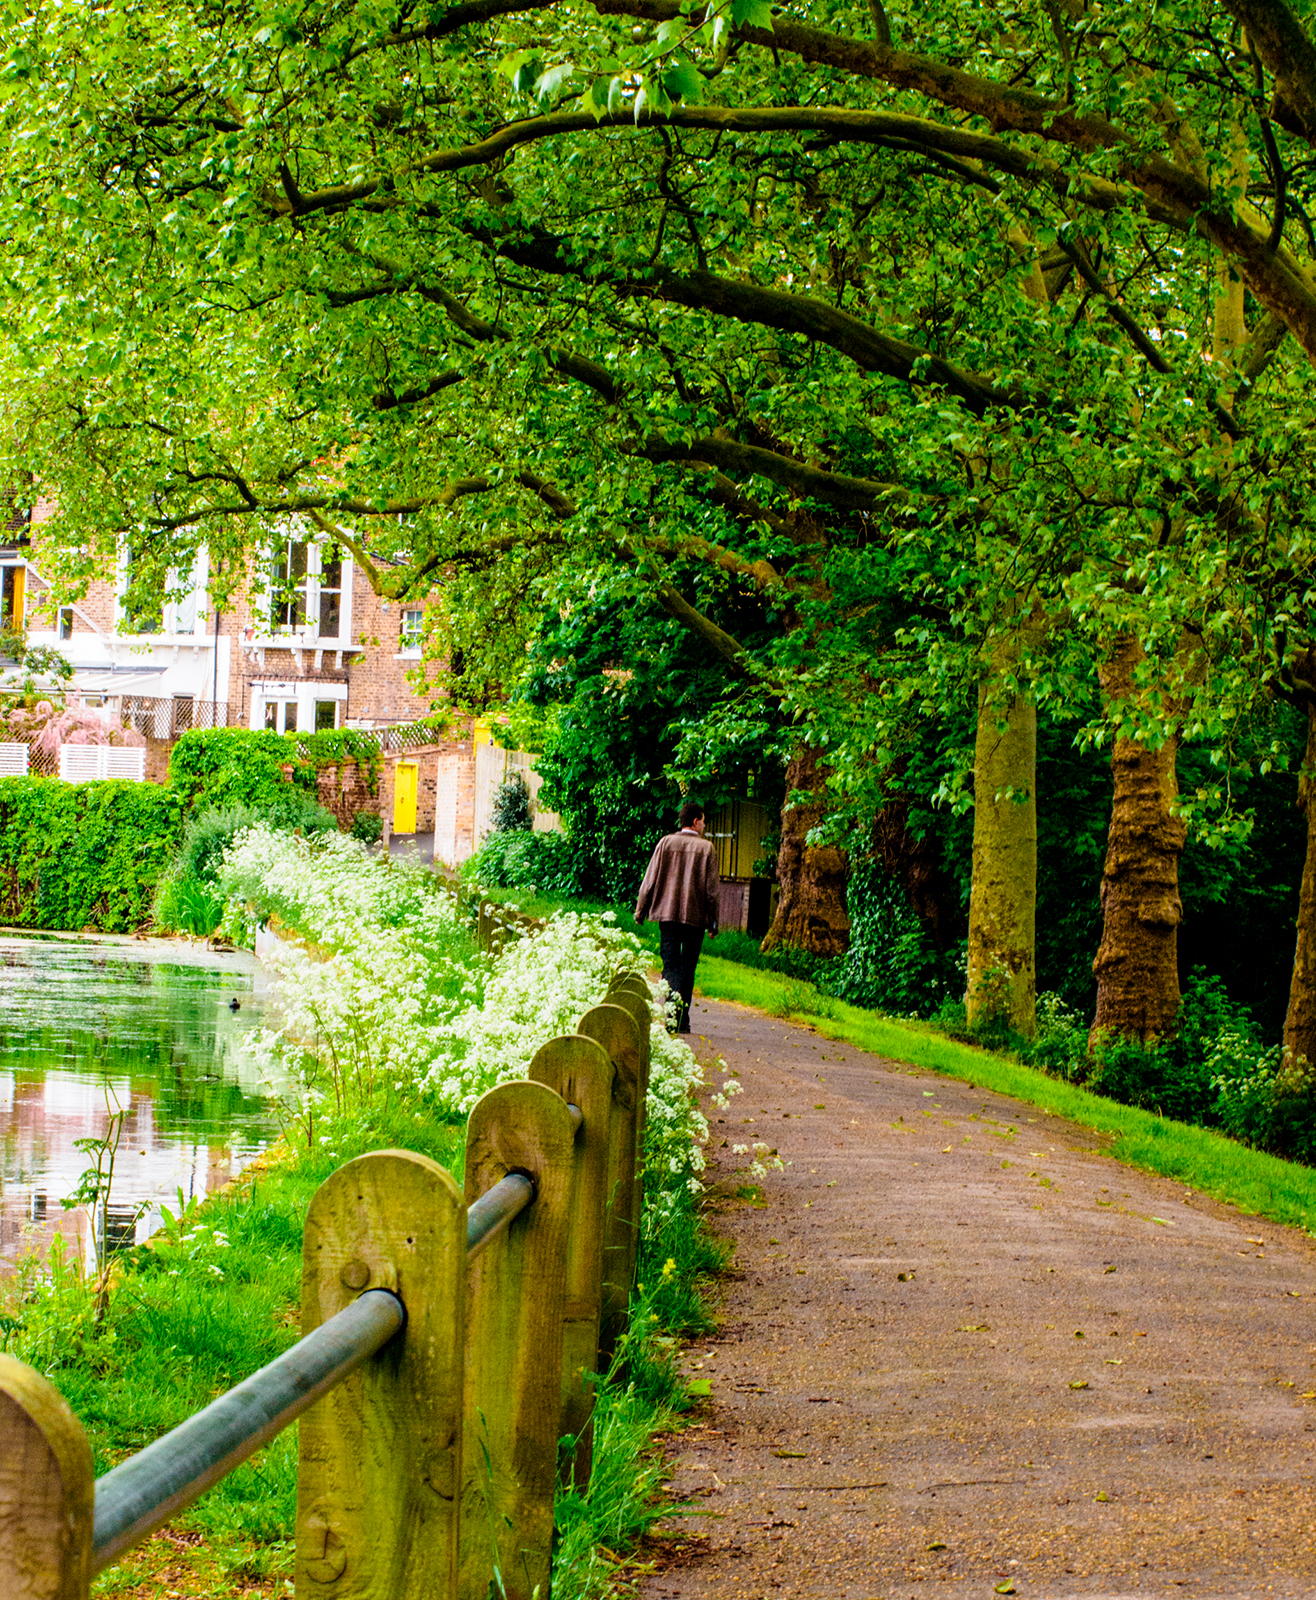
column 811, row 912
column 1003, row 901
column 1300, row 1023
column 1137, row 963
column 915, row 865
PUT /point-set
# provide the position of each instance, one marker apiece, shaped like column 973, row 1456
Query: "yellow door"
column 405, row 784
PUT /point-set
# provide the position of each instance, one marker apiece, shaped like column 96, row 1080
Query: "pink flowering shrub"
column 70, row 724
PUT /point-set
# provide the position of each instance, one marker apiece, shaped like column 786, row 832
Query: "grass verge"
column 1256, row 1183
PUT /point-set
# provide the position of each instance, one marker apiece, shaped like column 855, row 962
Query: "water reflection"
column 88, row 1027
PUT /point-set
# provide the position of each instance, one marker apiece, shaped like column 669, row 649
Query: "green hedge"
column 85, row 855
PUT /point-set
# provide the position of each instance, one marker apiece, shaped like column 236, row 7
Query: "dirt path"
column 963, row 1347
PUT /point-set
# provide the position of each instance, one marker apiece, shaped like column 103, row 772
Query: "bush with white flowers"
column 382, row 992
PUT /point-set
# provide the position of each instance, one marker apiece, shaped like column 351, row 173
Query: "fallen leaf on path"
column 974, row 1327
column 791, row 1455
column 1079, row 1383
column 1101, row 1495
column 945, row 1149
column 1005, row 1588
column 937, row 1544
column 1114, row 1361
column 699, row 1386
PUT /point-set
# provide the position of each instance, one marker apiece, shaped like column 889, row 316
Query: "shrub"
column 511, row 806
column 524, row 860
column 1061, row 1045
column 1243, row 1080
column 892, row 963
column 367, row 826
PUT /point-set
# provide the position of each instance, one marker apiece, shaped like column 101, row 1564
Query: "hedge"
column 85, row 855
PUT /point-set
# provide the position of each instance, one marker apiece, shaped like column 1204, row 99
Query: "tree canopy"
column 950, row 345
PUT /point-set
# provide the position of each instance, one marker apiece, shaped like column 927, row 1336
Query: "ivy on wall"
column 246, row 766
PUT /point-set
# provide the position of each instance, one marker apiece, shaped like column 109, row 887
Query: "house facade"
column 309, row 646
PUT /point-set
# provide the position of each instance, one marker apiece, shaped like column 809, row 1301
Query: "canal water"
column 150, row 1027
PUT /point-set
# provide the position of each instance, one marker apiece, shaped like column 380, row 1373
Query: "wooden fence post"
column 378, row 1482
column 517, row 1287
column 616, row 1030
column 581, row 1071
column 47, row 1492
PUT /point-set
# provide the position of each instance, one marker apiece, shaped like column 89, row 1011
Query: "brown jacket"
column 681, row 884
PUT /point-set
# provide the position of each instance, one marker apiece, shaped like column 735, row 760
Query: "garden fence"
column 450, row 1339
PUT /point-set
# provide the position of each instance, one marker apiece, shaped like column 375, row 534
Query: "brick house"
column 309, row 647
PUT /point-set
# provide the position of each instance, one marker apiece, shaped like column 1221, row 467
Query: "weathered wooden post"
column 47, row 1492
column 378, row 1483
column 581, row 1071
column 616, row 1030
column 517, row 1290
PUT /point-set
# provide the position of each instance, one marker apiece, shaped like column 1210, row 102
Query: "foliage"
column 511, row 806
column 367, row 826
column 525, row 860
column 89, row 855
column 254, row 766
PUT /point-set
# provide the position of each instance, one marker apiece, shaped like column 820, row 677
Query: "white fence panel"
column 492, row 765
column 13, row 760
column 85, row 763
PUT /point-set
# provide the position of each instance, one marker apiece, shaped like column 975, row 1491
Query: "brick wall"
column 344, row 791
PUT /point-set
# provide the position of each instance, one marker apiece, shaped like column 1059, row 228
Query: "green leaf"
column 751, row 14
column 699, row 1386
column 683, row 81
column 673, row 29
column 616, row 97
column 510, row 65
column 527, row 75
column 550, row 84
column 596, row 98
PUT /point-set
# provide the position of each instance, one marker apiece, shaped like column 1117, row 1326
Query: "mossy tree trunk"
column 1003, row 900
column 1300, row 1022
column 1137, row 962
column 811, row 908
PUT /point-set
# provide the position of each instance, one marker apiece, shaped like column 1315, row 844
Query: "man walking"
column 680, row 893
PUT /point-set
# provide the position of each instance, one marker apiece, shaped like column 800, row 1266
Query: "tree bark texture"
column 811, row 909
column 1003, row 901
column 1137, row 962
column 1300, row 1022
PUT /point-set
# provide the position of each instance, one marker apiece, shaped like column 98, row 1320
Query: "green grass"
column 1258, row 1184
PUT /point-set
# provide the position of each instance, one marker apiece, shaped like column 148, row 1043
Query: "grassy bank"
column 215, row 1296
column 1209, row 1162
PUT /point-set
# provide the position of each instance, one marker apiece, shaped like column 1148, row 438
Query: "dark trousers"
column 679, row 944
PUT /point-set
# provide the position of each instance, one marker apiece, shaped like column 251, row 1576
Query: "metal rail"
column 497, row 1207
column 144, row 1492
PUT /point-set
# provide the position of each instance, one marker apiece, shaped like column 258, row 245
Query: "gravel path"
column 965, row 1348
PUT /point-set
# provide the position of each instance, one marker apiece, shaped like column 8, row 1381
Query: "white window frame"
column 301, row 692
column 308, row 632
column 411, row 651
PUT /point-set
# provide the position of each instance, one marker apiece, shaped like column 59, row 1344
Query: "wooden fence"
column 450, row 1339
